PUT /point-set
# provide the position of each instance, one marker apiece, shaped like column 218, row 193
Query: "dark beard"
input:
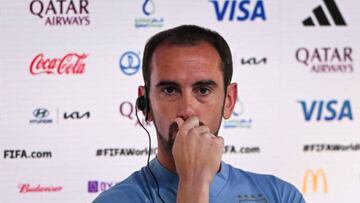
column 174, row 128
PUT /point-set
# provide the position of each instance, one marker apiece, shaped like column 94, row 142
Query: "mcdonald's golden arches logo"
column 315, row 177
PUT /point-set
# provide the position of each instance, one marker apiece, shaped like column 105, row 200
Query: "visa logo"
column 327, row 110
column 239, row 10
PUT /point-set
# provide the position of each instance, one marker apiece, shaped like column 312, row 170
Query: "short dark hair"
column 188, row 35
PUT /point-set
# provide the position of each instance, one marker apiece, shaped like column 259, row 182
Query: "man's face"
column 185, row 81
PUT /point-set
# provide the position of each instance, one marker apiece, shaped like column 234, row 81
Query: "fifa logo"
column 315, row 179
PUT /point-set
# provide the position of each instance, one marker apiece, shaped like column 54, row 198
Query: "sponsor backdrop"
column 69, row 73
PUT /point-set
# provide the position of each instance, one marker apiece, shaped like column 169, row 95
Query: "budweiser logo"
column 71, row 63
column 25, row 188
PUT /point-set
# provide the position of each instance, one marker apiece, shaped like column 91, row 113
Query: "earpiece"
column 141, row 103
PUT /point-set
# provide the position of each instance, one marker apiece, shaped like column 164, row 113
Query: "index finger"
column 189, row 124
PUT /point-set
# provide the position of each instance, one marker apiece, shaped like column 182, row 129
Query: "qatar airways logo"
column 326, row 60
column 70, row 64
column 27, row 188
column 61, row 12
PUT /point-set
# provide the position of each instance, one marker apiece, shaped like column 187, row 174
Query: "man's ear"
column 230, row 100
column 148, row 115
column 141, row 91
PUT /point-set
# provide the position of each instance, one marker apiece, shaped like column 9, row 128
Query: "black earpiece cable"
column 148, row 158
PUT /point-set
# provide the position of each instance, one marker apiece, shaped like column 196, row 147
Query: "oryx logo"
column 41, row 113
column 253, row 61
column 314, row 177
column 323, row 19
column 76, row 115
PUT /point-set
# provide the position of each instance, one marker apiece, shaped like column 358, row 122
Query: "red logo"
column 26, row 188
column 71, row 63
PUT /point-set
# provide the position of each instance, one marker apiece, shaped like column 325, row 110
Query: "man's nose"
column 187, row 106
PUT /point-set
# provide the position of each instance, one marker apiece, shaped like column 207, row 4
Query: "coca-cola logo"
column 26, row 188
column 61, row 12
column 71, row 63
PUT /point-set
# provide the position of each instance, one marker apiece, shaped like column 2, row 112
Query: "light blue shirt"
column 230, row 185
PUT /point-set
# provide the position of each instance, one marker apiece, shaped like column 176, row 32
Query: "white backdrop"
column 68, row 82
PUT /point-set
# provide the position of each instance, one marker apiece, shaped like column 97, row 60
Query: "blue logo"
column 41, row 113
column 41, row 116
column 239, row 10
column 238, row 120
column 332, row 110
column 149, row 9
column 130, row 63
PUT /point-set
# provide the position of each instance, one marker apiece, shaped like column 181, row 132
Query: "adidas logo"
column 323, row 19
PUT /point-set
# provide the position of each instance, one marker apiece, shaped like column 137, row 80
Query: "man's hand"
column 197, row 154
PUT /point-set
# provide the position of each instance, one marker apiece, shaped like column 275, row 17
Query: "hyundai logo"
column 41, row 113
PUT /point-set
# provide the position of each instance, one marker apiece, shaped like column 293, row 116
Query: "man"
column 187, row 72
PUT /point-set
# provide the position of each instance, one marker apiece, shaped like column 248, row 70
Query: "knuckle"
column 205, row 128
column 220, row 141
column 208, row 135
column 192, row 131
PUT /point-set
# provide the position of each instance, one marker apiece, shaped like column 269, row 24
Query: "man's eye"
column 169, row 90
column 204, row 91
